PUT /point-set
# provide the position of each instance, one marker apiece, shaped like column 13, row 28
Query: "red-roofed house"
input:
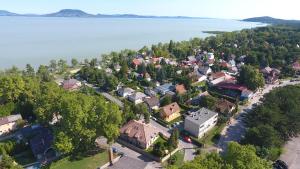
column 180, row 89
column 296, row 66
column 170, row 112
column 71, row 84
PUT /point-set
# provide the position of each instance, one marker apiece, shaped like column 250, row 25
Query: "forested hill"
column 274, row 21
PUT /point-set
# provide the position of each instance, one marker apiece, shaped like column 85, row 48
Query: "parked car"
column 187, row 139
column 279, row 164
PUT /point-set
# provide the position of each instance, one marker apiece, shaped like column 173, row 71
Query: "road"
column 106, row 95
column 291, row 153
column 236, row 130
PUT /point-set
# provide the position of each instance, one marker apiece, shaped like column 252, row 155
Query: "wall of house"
column 207, row 126
column 6, row 128
column 172, row 117
column 191, row 127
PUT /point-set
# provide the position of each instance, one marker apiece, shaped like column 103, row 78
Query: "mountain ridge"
column 81, row 14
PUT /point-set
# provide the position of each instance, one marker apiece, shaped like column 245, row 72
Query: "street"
column 291, row 153
column 236, row 130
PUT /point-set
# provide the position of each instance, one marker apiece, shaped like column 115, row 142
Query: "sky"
column 228, row 9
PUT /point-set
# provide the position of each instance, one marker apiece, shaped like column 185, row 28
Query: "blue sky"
column 231, row 9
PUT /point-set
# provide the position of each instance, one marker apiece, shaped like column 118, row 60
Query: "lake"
column 37, row 40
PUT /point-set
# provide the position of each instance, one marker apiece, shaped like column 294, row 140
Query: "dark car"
column 279, row 164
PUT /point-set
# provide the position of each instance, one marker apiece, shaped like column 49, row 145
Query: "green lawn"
column 159, row 139
column 91, row 162
column 208, row 139
column 179, row 155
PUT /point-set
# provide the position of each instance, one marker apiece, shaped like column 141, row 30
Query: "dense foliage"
column 275, row 121
column 236, row 157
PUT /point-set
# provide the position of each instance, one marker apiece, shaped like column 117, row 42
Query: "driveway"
column 291, row 153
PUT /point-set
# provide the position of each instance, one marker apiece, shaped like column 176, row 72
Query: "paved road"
column 291, row 153
column 106, row 95
column 236, row 130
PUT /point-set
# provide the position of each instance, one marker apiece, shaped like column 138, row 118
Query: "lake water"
column 37, row 40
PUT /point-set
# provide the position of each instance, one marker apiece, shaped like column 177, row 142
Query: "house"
column 271, row 75
column 296, row 66
column 9, row 123
column 139, row 134
column 152, row 103
column 117, row 67
column 163, row 89
column 246, row 94
column 41, row 146
column 147, row 77
column 205, row 70
column 180, row 89
column 125, row 91
column 219, row 77
column 170, row 112
column 224, row 106
column 71, row 84
column 197, row 99
column 137, row 97
column 150, row 92
column 137, row 62
column 200, row 122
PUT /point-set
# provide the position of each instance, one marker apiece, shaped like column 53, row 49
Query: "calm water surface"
column 37, row 40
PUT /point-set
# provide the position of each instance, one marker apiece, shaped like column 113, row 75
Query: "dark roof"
column 41, row 142
column 231, row 86
column 152, row 101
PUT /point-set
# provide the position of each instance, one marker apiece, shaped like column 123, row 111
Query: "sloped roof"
column 140, row 131
column 180, row 89
column 223, row 105
column 170, row 109
column 152, row 101
column 9, row 119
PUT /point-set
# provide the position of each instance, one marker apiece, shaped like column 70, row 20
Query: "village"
column 193, row 101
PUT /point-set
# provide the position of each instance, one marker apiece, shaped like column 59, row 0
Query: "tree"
column 244, row 157
column 10, row 88
column 111, row 83
column 63, row 143
column 8, row 163
column 173, row 140
column 166, row 100
column 62, row 66
column 93, row 62
column 53, row 65
column 251, row 77
column 29, row 70
column 159, row 149
column 44, row 74
column 208, row 102
column 171, row 46
column 74, row 62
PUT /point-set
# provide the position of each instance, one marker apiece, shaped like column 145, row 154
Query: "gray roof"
column 10, row 119
column 201, row 116
column 166, row 87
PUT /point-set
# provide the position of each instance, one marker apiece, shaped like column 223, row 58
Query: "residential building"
column 9, row 123
column 163, row 89
column 180, row 89
column 205, row 70
column 200, row 122
column 139, row 134
column 152, row 103
column 170, row 112
column 137, row 62
column 219, row 77
column 246, row 94
column 224, row 106
column 71, row 84
column 137, row 97
column 296, row 66
column 150, row 92
column 125, row 91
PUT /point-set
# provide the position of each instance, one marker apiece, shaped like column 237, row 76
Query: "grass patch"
column 159, row 139
column 178, row 159
column 90, row 162
column 209, row 138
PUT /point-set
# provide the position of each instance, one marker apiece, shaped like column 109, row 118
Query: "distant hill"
column 69, row 13
column 82, row 14
column 274, row 21
column 7, row 13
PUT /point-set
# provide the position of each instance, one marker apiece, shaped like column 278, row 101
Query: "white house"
column 201, row 121
column 137, row 97
column 125, row 92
